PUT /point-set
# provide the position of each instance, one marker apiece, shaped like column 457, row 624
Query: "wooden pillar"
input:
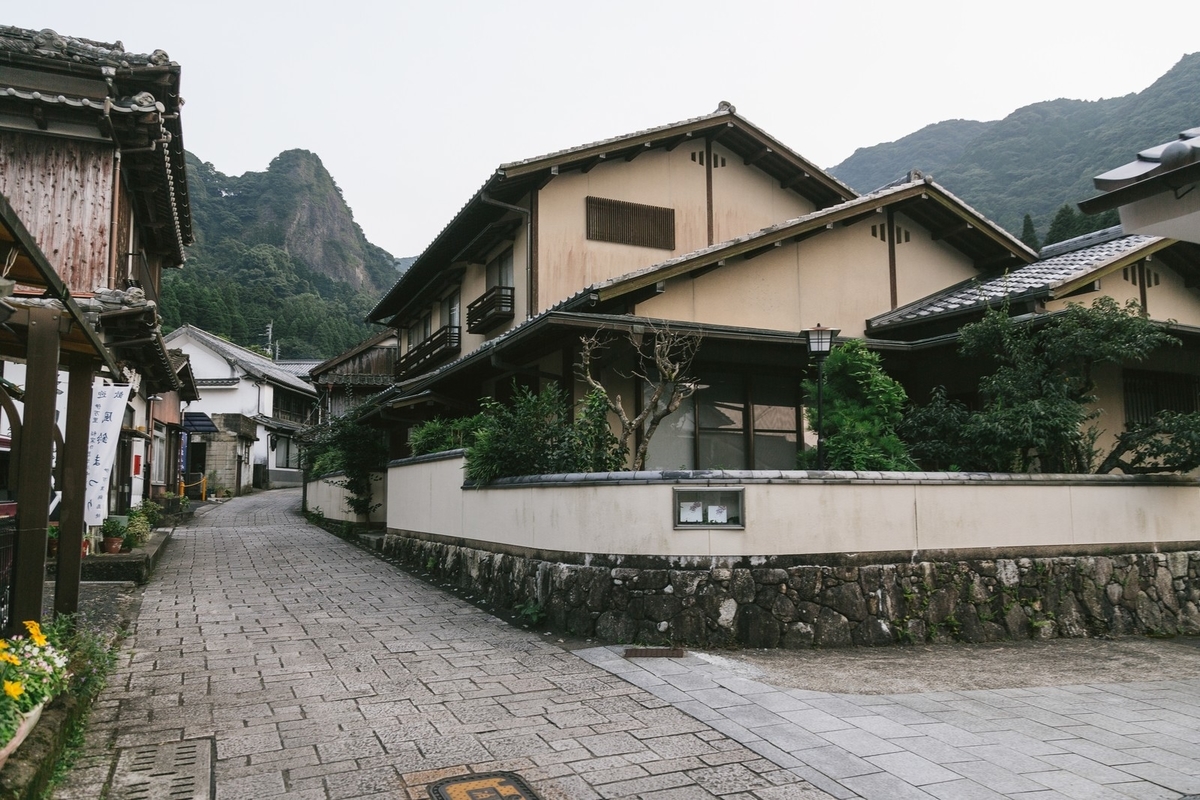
column 71, row 522
column 34, row 473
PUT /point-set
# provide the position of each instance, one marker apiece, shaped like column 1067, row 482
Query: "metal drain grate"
column 171, row 771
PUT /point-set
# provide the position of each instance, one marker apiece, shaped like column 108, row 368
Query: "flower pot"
column 52, row 548
column 28, row 721
column 113, row 544
column 86, row 547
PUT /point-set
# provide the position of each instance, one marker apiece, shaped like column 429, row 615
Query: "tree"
column 1029, row 234
column 862, row 406
column 1036, row 401
column 347, row 445
column 663, row 362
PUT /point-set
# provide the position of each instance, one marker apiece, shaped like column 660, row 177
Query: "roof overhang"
column 948, row 219
column 460, row 243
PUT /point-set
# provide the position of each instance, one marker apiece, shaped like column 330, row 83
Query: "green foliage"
column 112, row 528
column 276, row 247
column 1039, row 156
column 862, row 407
column 1069, row 223
column 52, row 532
column 138, row 530
column 530, row 612
column 439, row 435
column 535, row 436
column 1169, row 442
column 349, row 446
column 1029, row 234
column 151, row 510
column 1035, row 402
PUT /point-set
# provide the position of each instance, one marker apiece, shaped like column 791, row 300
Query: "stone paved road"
column 311, row 670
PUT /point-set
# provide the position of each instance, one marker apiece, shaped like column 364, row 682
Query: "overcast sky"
column 411, row 106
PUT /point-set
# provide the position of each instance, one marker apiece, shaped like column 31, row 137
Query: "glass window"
column 500, row 270
column 158, row 456
column 721, row 436
column 287, row 454
column 450, row 311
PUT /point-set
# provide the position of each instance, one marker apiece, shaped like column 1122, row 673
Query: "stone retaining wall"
column 975, row 600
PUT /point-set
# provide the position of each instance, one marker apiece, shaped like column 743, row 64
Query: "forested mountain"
column 277, row 248
column 1039, row 157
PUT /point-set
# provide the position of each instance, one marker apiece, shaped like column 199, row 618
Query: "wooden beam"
column 716, row 135
column 591, row 163
column 756, row 253
column 953, row 230
column 891, row 243
column 792, row 181
column 678, row 140
column 995, row 261
column 637, row 151
column 759, row 156
column 34, row 467
column 71, row 520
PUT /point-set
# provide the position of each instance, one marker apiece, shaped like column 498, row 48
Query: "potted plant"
column 52, row 541
column 138, row 529
column 113, row 532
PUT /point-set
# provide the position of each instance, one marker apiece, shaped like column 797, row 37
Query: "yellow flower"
column 13, row 689
column 9, row 658
column 3, row 644
column 35, row 632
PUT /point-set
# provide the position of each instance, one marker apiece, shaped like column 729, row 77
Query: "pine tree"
column 1029, row 234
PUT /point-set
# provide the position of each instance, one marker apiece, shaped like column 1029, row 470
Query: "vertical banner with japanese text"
column 104, row 431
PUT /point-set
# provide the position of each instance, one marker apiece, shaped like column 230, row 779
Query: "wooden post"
column 34, row 473
column 71, row 522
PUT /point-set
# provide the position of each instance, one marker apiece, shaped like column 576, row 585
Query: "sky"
column 412, row 106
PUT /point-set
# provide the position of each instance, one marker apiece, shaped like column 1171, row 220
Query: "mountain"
column 278, row 248
column 1040, row 156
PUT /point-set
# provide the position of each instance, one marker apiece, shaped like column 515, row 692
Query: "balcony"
column 444, row 342
column 493, row 308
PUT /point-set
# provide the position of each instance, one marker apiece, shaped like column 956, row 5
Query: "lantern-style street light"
column 820, row 342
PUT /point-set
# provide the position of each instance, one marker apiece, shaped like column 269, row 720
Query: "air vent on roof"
column 630, row 223
column 717, row 160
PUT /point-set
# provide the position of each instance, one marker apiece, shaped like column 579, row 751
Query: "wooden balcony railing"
column 442, row 343
column 494, row 307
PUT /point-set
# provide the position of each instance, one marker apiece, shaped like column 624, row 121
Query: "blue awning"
column 198, row 422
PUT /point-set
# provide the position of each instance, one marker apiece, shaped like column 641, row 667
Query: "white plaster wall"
column 790, row 518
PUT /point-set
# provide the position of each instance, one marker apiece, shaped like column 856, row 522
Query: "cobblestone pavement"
column 302, row 667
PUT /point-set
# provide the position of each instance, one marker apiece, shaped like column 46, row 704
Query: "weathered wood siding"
column 62, row 190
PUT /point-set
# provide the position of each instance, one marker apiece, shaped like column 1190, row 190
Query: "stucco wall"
column 790, row 513
column 324, row 494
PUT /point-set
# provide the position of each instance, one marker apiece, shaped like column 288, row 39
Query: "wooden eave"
column 361, row 347
column 922, row 202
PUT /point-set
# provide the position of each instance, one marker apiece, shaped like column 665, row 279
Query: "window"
column 287, row 454
column 418, row 331
column 1147, row 393
column 450, row 310
column 158, row 456
column 290, row 407
column 709, row 508
column 746, row 422
column 630, row 223
column 500, row 270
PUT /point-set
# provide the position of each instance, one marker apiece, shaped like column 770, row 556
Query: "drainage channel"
column 171, row 771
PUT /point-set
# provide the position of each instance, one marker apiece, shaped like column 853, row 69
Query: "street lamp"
column 820, row 342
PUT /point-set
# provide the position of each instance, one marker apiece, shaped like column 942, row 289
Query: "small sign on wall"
column 709, row 508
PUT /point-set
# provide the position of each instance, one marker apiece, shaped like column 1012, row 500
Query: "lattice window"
column 1147, row 393
column 630, row 223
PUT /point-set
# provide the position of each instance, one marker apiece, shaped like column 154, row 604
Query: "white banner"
column 108, row 410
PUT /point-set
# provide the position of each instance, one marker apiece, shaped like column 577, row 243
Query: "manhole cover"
column 483, row 786
column 172, row 771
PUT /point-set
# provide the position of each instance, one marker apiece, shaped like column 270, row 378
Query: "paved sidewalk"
column 1103, row 741
column 284, row 662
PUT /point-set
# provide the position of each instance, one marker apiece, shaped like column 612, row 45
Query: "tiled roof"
column 298, row 367
column 253, row 363
column 1059, row 263
column 48, row 44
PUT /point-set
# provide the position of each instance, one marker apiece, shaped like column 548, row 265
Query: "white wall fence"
column 329, row 497
column 790, row 512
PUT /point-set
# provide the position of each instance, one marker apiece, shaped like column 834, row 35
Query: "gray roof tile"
column 248, row 360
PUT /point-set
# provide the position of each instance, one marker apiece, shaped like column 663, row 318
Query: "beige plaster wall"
column 745, row 198
column 1171, row 299
column 923, row 266
column 791, row 518
column 324, row 494
column 567, row 261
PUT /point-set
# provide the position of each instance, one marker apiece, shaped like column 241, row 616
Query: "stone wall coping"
column 445, row 455
column 811, row 477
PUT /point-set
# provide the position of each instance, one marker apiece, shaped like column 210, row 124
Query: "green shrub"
column 150, row 510
column 439, row 435
column 112, row 528
column 138, row 530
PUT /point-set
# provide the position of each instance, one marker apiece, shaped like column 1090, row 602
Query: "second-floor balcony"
column 493, row 308
column 442, row 343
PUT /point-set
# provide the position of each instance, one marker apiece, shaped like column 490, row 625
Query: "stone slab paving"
column 312, row 670
column 1097, row 741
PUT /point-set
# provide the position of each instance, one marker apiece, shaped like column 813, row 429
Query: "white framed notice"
column 715, row 507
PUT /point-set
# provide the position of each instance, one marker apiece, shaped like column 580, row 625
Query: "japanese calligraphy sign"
column 104, row 430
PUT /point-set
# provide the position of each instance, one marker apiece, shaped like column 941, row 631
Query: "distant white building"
column 243, row 429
